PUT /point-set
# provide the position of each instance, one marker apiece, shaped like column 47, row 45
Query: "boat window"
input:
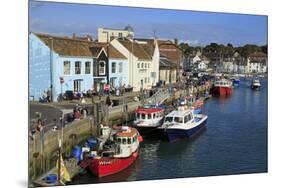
column 107, row 154
column 148, row 116
column 129, row 140
column 119, row 140
column 178, row 119
column 142, row 116
column 168, row 119
column 189, row 116
column 186, row 119
column 154, row 115
column 124, row 141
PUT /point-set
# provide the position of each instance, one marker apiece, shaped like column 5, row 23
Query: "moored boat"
column 115, row 154
column 148, row 118
column 223, row 87
column 235, row 81
column 183, row 123
column 256, row 84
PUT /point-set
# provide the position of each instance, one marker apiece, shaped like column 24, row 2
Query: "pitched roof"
column 113, row 52
column 141, row 51
column 166, row 63
column 258, row 54
column 66, row 46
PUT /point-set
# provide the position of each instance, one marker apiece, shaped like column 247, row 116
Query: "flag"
column 64, row 174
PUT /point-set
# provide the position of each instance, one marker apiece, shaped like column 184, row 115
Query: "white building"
column 143, row 61
column 106, row 34
column 197, row 62
column 256, row 63
column 202, row 66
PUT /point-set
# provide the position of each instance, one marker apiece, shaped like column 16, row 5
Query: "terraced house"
column 110, row 66
column 143, row 61
column 53, row 58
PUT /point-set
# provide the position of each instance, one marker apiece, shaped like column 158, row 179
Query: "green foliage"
column 228, row 50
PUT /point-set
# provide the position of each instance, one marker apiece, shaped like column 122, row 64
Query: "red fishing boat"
column 117, row 153
column 223, row 87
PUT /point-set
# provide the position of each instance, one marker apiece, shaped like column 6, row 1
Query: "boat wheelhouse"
column 149, row 118
column 183, row 123
column 223, row 87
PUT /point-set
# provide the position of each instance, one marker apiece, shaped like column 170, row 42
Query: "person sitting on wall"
column 106, row 88
column 77, row 114
column 84, row 112
column 39, row 126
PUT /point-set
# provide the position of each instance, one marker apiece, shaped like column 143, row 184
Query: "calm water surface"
column 234, row 142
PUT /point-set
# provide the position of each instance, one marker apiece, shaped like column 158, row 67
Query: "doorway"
column 77, row 85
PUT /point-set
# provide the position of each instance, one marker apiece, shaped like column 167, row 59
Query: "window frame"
column 120, row 67
column 78, row 68
column 115, row 66
column 88, row 71
column 64, row 70
column 104, row 68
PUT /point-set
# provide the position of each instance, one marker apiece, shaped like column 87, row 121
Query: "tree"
column 264, row 49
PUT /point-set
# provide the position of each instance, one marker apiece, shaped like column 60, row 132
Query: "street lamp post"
column 51, row 67
column 107, row 49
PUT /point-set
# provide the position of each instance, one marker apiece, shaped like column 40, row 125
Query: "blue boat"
column 235, row 81
column 183, row 124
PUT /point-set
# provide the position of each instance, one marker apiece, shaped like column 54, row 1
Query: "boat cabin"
column 179, row 117
column 223, row 83
column 128, row 141
column 143, row 114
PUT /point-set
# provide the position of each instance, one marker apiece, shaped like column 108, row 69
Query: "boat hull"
column 256, row 87
column 107, row 166
column 236, row 82
column 147, row 130
column 175, row 134
column 222, row 91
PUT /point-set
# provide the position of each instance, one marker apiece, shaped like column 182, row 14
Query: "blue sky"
column 196, row 28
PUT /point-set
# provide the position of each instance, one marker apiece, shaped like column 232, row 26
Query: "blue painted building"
column 39, row 67
column 118, row 68
column 52, row 58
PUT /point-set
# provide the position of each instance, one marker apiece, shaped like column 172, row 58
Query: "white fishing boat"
column 256, row 84
column 183, row 123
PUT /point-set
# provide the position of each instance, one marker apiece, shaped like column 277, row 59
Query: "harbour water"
column 234, row 142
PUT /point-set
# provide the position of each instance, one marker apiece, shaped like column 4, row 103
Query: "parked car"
column 68, row 95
